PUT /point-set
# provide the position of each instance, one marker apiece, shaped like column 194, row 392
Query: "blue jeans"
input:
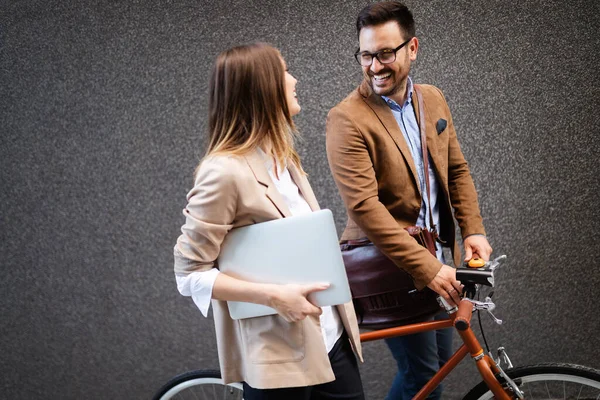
column 419, row 357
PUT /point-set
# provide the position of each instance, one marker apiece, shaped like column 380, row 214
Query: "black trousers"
column 347, row 384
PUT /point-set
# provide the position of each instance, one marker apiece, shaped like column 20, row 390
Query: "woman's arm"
column 210, row 213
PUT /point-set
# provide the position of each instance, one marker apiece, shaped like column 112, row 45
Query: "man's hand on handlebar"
column 446, row 285
column 477, row 246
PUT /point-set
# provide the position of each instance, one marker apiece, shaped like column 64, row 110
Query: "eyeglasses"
column 385, row 56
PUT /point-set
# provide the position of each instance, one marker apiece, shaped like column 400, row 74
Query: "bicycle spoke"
column 531, row 393
column 549, row 390
column 194, row 393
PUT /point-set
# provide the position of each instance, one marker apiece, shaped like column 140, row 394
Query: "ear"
column 413, row 48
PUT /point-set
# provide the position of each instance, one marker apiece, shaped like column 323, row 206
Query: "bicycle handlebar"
column 462, row 321
column 471, row 277
column 468, row 276
column 479, row 272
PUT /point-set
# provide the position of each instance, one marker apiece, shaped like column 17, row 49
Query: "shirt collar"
column 269, row 161
column 397, row 107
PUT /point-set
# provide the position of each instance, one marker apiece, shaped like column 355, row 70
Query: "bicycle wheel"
column 203, row 385
column 548, row 381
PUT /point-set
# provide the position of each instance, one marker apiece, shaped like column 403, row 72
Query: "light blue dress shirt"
column 407, row 121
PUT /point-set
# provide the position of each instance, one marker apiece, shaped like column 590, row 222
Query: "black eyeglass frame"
column 377, row 53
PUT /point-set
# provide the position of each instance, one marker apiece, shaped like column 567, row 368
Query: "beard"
column 387, row 91
column 394, row 85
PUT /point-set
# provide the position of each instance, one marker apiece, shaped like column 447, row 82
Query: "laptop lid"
column 298, row 249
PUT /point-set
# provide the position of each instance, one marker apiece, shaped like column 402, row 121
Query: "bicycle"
column 566, row 381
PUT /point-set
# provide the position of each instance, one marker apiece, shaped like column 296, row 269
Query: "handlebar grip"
column 462, row 322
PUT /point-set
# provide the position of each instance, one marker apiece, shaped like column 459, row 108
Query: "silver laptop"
column 298, row 249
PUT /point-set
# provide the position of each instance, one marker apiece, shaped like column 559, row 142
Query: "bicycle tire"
column 200, row 384
column 548, row 380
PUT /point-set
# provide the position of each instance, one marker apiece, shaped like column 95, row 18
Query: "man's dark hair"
column 380, row 13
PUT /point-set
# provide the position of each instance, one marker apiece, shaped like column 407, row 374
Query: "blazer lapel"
column 305, row 189
column 257, row 165
column 383, row 112
column 430, row 133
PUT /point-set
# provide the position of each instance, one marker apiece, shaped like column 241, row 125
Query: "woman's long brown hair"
column 248, row 106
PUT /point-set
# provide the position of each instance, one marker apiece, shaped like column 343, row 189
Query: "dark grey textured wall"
column 102, row 110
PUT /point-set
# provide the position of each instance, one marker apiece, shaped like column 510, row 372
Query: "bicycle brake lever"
column 495, row 263
column 496, row 319
column 487, row 305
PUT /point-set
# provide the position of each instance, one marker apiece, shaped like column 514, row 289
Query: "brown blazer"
column 377, row 178
column 266, row 352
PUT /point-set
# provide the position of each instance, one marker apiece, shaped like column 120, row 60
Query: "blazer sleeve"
column 463, row 195
column 209, row 215
column 353, row 172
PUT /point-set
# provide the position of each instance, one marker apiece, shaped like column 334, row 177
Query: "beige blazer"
column 377, row 178
column 266, row 352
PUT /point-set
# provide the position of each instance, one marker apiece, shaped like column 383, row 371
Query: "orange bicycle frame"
column 485, row 364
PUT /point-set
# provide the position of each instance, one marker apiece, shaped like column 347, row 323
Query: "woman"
column 252, row 174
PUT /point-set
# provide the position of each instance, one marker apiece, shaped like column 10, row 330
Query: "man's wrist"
column 474, row 234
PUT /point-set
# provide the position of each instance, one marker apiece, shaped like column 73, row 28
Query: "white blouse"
column 198, row 285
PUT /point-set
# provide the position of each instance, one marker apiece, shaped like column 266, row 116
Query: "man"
column 374, row 152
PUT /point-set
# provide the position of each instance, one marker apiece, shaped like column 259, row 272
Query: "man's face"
column 387, row 79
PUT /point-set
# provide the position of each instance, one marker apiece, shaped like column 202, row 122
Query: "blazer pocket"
column 440, row 126
column 272, row 340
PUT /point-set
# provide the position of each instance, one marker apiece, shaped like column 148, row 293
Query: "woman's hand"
column 290, row 301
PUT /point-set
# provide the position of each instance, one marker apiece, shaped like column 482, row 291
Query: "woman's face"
column 290, row 91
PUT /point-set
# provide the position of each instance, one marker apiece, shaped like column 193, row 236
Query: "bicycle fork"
column 503, row 357
column 488, row 368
